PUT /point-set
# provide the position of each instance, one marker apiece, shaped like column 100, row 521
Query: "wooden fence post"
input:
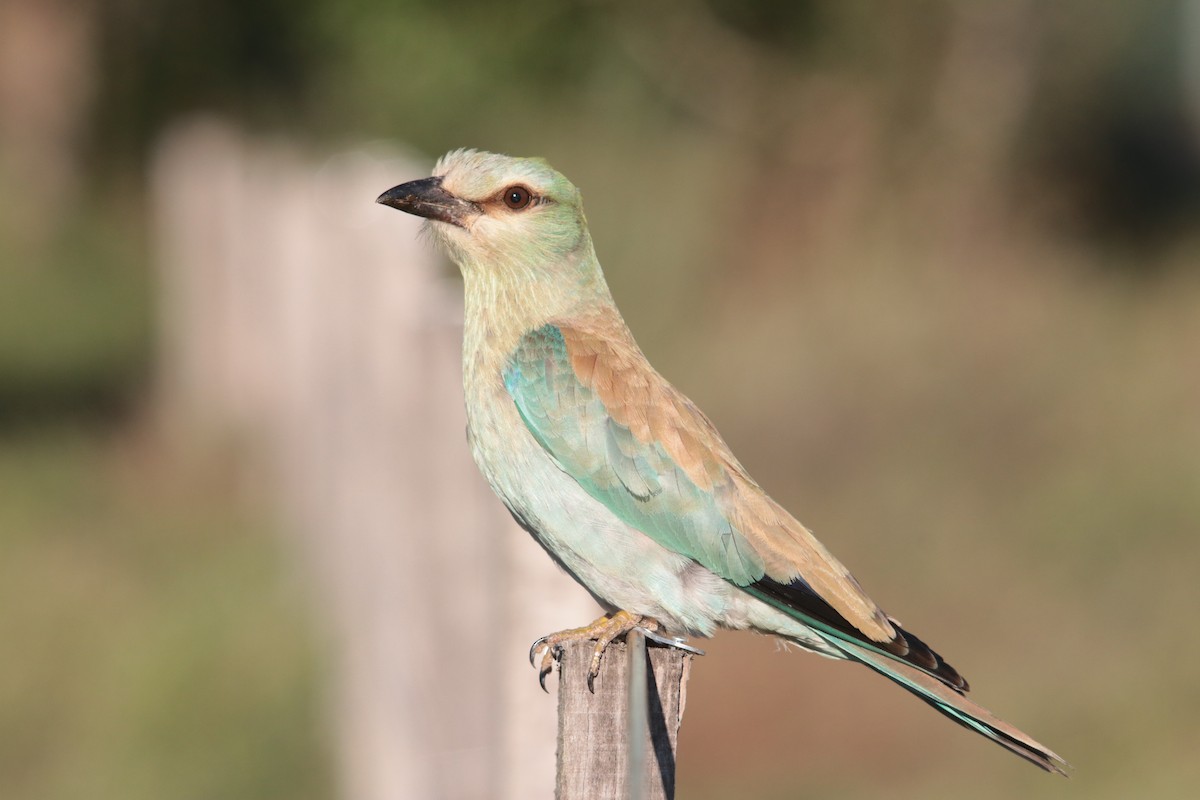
column 308, row 324
column 600, row 753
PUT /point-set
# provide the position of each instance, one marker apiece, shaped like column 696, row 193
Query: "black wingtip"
column 906, row 647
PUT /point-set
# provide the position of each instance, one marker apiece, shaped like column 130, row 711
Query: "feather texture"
column 640, row 446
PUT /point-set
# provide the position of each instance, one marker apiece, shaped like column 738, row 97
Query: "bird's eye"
column 517, row 197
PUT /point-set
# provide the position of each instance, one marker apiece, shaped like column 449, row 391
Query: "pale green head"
column 499, row 214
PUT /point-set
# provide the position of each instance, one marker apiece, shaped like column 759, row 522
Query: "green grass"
column 155, row 643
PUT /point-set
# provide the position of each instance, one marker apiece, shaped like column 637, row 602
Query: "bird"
column 622, row 479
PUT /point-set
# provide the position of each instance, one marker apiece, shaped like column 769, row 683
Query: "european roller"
column 618, row 475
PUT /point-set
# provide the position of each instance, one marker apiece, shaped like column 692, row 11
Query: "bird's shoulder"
column 605, row 360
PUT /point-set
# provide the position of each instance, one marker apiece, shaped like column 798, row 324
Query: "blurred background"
column 933, row 268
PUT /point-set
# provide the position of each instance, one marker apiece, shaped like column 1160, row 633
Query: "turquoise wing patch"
column 635, row 480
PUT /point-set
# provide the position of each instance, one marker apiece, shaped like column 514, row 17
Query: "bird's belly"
column 618, row 564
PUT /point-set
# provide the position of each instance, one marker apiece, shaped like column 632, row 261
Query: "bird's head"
column 499, row 214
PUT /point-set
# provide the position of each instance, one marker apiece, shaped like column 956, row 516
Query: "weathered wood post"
column 308, row 324
column 620, row 741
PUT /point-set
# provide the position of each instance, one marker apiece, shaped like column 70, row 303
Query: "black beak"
column 426, row 198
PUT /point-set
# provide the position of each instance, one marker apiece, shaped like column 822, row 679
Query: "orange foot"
column 603, row 631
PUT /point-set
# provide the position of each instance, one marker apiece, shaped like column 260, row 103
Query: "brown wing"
column 606, row 360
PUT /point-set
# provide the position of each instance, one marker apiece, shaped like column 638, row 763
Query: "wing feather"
column 646, row 451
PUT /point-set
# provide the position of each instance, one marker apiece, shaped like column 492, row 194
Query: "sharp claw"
column 533, row 650
column 594, row 666
column 603, row 631
column 551, row 657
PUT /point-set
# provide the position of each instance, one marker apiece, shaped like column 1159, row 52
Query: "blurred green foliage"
column 75, row 324
column 252, row 59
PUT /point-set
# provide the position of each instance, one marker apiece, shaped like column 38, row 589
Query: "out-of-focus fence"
column 310, row 324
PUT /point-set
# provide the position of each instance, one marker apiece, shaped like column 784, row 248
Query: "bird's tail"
column 953, row 704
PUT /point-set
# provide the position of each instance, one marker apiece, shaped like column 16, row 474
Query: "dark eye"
column 517, row 197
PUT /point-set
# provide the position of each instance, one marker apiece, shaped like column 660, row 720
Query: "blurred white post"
column 310, row 323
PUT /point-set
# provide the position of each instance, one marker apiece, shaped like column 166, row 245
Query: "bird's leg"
column 603, row 631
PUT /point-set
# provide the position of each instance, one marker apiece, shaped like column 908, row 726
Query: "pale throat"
column 502, row 305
